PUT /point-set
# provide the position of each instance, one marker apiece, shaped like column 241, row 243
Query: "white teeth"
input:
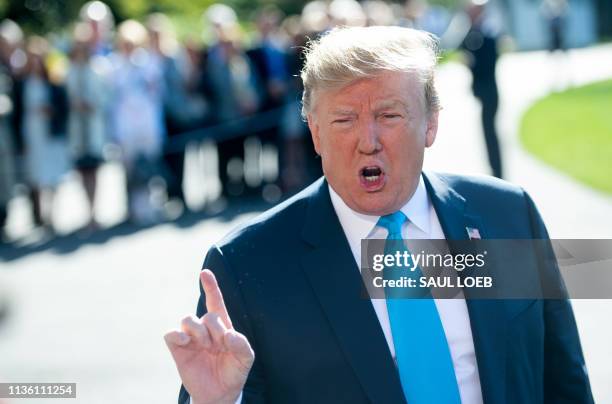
column 372, row 178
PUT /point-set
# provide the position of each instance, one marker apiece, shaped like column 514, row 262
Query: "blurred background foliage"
column 42, row 16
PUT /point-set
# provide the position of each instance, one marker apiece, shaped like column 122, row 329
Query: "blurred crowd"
column 134, row 92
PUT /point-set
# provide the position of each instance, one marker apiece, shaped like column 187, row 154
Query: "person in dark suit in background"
column 292, row 326
column 12, row 69
column 268, row 59
column 8, row 31
column 480, row 45
column 7, row 153
column 299, row 163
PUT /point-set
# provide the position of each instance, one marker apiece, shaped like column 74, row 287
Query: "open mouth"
column 371, row 174
column 371, row 177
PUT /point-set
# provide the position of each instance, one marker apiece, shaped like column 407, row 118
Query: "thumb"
column 240, row 348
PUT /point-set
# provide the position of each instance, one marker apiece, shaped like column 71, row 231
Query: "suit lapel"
column 330, row 267
column 487, row 317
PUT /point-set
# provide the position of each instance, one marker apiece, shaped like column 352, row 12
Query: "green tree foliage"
column 43, row 16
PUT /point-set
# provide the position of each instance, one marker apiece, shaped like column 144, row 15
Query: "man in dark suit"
column 480, row 45
column 283, row 318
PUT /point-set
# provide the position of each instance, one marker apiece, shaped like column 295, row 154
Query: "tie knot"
column 393, row 223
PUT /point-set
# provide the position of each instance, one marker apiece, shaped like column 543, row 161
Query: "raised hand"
column 213, row 359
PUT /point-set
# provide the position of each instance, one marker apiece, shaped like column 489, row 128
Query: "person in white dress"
column 45, row 109
column 137, row 116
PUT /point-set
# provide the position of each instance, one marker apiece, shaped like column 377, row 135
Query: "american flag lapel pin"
column 473, row 233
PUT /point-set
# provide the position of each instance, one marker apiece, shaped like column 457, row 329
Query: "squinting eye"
column 391, row 116
column 341, row 121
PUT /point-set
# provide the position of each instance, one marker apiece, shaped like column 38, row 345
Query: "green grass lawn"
column 572, row 131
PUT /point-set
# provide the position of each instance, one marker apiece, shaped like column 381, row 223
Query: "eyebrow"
column 381, row 105
column 391, row 104
column 340, row 111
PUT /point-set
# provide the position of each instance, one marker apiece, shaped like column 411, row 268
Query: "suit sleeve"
column 254, row 391
column 565, row 375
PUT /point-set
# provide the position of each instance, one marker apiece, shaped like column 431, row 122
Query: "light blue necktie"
column 421, row 350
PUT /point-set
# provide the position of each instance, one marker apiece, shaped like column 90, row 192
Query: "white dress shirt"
column 422, row 223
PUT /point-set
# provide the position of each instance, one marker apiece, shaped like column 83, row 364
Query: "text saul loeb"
column 404, row 260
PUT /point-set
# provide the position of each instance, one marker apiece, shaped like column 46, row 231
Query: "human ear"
column 432, row 128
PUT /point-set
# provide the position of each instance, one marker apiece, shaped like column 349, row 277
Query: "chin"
column 374, row 205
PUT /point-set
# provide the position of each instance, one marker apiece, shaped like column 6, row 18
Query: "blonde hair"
column 347, row 54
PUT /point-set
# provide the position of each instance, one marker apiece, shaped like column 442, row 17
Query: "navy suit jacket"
column 291, row 286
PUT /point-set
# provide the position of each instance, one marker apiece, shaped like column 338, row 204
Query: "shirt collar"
column 416, row 210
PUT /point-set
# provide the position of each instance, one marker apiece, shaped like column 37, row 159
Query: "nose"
column 369, row 138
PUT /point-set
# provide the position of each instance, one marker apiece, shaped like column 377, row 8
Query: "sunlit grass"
column 572, row 131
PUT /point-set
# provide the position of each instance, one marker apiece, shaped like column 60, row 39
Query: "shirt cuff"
column 238, row 400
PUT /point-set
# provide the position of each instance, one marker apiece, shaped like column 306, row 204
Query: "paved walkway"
column 96, row 315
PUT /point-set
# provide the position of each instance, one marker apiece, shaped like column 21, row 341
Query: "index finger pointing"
column 214, row 297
